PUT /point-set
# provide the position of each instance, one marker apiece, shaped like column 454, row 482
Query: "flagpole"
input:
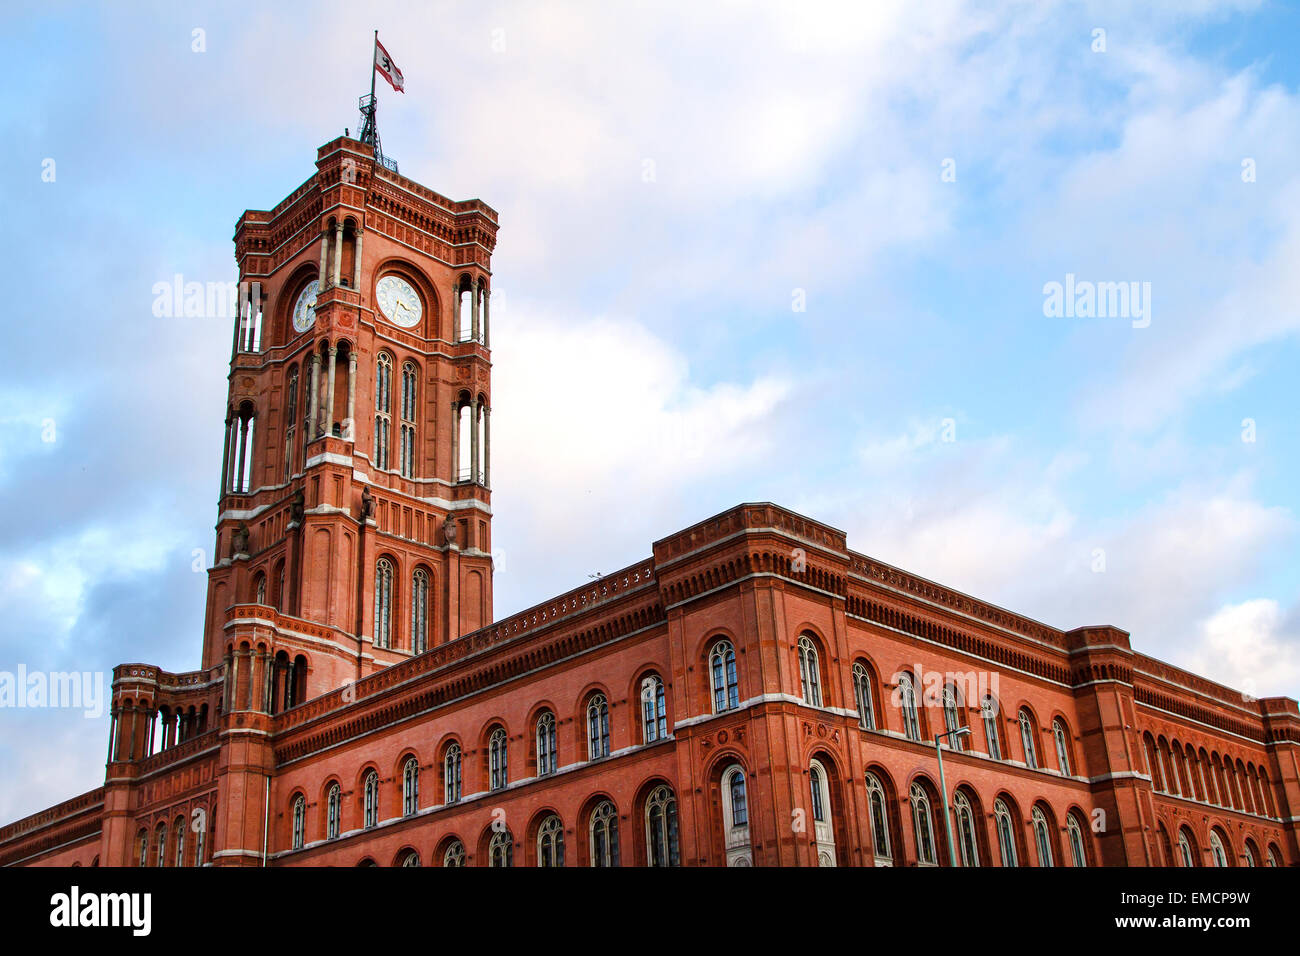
column 373, row 50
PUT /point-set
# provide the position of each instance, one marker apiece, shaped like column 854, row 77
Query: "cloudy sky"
column 748, row 251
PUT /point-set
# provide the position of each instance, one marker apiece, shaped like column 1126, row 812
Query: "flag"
column 387, row 68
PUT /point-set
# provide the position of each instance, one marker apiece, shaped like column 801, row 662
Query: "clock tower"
column 354, row 521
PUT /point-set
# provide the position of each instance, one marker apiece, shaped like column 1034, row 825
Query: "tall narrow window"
column 451, row 774
column 410, row 786
column 546, row 753
column 200, row 841
column 383, row 603
column 879, row 822
column 333, row 810
column 907, row 700
column 419, row 611
column 501, row 849
column 499, row 773
column 923, row 824
column 1062, row 746
column 142, row 844
column 604, row 835
column 722, row 668
column 809, row 672
column 952, row 715
column 823, row 825
column 966, row 841
column 989, row 714
column 371, row 799
column 597, row 727
column 299, row 821
column 407, row 437
column 1217, row 850
column 735, row 817
column 550, row 842
column 862, row 695
column 1006, row 834
column 1027, row 733
column 1185, row 849
column 290, row 416
column 161, row 838
column 661, row 828
column 383, row 409
column 1078, row 855
column 1042, row 837
column 178, row 833
column 654, row 712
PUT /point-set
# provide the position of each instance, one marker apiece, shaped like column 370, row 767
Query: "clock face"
column 399, row 302
column 304, row 310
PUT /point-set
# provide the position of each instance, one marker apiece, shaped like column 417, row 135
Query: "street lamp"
column 943, row 787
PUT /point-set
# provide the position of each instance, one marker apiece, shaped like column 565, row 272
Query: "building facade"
column 753, row 693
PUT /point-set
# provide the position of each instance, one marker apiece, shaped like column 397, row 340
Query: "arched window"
column 419, row 611
column 1027, row 733
column 410, row 786
column 823, row 828
column 989, row 711
column 1250, row 856
column 1217, row 850
column 299, row 821
column 879, row 822
column 864, row 698
column 907, row 701
column 722, row 668
column 1042, row 837
column 384, row 603
column 454, row 855
column 290, row 416
column 1274, row 858
column 923, row 825
column 546, row 751
column 383, row 409
column 952, row 715
column 451, row 774
column 967, row 844
column 654, row 712
column 1006, row 834
column 1062, row 746
column 735, row 816
column 261, row 589
column 597, row 727
column 1185, row 851
column 178, row 833
column 333, row 809
column 200, row 839
column 550, row 842
column 1074, row 829
column 500, row 849
column 160, row 837
column 370, row 802
column 604, row 835
column 661, row 828
column 407, row 436
column 809, row 672
column 499, row 771
column 410, row 858
column 142, row 844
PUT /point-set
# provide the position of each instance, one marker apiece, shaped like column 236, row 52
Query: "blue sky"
column 671, row 179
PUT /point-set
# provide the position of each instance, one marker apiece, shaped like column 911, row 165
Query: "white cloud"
column 1250, row 646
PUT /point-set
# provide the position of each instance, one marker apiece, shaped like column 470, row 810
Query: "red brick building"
column 752, row 693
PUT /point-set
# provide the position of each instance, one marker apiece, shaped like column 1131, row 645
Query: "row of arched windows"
column 185, row 842
column 1208, row 777
column 1219, row 850
column 407, row 410
column 601, row 826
